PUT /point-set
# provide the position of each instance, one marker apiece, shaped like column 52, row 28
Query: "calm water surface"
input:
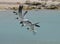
column 12, row 33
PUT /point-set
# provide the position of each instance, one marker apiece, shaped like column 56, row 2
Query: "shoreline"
column 26, row 8
column 34, row 5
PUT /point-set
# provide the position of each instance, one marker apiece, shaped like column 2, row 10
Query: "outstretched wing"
column 25, row 13
column 36, row 24
column 20, row 11
column 20, row 8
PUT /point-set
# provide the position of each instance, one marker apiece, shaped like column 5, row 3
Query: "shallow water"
column 12, row 33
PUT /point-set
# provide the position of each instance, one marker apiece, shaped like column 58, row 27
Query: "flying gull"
column 21, row 16
column 30, row 25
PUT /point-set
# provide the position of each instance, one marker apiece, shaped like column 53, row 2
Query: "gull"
column 24, row 21
column 21, row 16
column 30, row 25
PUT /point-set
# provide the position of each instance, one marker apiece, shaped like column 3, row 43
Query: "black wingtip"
column 37, row 25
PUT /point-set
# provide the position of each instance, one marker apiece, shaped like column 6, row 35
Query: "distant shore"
column 33, row 5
